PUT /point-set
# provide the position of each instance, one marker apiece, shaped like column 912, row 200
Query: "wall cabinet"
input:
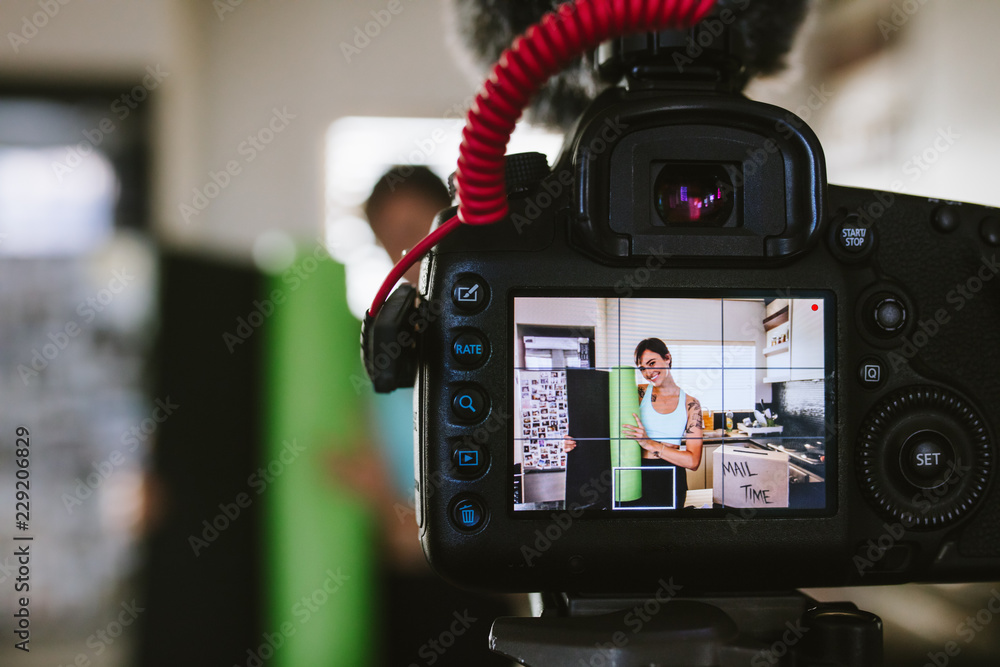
column 794, row 338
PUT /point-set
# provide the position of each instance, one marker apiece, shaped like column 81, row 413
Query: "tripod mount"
column 778, row 630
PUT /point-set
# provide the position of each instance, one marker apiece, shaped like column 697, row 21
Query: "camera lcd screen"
column 676, row 404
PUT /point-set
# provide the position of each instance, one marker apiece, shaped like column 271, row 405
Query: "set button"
column 927, row 459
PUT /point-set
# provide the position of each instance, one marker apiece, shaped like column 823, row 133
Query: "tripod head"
column 777, row 629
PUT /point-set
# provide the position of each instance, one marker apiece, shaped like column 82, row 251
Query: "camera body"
column 866, row 325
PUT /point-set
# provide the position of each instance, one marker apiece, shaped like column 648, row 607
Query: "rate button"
column 469, row 348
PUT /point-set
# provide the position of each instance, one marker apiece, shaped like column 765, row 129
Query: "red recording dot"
column 815, row 307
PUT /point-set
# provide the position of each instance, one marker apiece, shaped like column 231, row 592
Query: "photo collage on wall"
column 544, row 419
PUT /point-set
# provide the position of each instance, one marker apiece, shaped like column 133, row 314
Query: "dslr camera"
column 685, row 357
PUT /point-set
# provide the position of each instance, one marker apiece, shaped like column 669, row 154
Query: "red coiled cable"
column 541, row 52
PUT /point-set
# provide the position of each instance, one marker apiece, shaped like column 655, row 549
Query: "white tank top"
column 668, row 428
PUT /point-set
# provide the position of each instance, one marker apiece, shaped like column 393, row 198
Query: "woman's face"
column 655, row 368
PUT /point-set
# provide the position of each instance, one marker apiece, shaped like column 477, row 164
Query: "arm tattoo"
column 694, row 416
column 642, row 392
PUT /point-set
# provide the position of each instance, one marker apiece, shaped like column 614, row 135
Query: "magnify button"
column 469, row 403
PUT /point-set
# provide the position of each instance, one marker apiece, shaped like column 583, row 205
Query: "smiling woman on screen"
column 668, row 428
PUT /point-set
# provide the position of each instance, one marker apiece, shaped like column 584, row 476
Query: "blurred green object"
column 321, row 561
column 626, row 453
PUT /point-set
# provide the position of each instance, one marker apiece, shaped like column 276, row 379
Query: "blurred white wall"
column 881, row 80
column 228, row 72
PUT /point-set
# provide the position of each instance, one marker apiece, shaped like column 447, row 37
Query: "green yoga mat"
column 624, row 402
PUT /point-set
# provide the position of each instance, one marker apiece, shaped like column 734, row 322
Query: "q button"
column 470, row 404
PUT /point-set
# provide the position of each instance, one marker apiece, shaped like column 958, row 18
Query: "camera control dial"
column 924, row 457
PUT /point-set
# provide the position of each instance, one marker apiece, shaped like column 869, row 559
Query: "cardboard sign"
column 749, row 477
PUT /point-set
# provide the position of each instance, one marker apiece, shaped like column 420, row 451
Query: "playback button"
column 469, row 459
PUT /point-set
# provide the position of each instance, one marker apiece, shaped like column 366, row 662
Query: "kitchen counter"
column 727, row 439
column 810, row 464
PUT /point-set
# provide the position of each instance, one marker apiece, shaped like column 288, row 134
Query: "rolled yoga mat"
column 624, row 402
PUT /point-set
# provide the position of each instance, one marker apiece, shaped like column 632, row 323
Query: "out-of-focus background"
column 183, row 259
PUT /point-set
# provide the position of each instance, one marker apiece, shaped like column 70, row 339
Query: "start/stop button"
column 853, row 238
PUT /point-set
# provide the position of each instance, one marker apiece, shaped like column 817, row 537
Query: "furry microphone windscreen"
column 487, row 27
